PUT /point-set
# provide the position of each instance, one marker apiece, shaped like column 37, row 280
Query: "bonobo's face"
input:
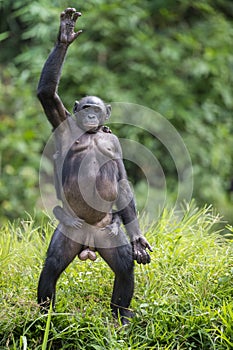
column 90, row 117
column 90, row 113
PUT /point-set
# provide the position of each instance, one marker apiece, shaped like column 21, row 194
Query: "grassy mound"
column 183, row 299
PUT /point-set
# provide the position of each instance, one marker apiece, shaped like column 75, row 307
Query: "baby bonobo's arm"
column 67, row 219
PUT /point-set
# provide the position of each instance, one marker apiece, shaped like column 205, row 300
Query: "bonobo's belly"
column 89, row 186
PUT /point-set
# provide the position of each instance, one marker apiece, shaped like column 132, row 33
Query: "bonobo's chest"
column 90, row 168
column 94, row 145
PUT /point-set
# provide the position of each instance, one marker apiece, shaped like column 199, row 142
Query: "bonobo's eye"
column 97, row 109
column 93, row 108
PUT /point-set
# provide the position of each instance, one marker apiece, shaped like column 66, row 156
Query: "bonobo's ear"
column 76, row 104
column 108, row 111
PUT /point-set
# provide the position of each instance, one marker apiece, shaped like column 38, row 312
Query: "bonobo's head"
column 90, row 113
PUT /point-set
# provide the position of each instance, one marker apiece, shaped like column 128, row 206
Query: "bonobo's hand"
column 73, row 222
column 139, row 250
column 112, row 229
column 67, row 23
column 67, row 219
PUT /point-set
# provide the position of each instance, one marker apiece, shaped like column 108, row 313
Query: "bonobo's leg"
column 61, row 252
column 120, row 260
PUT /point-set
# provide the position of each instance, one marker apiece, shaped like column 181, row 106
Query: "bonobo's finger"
column 77, row 34
column 149, row 247
column 62, row 15
column 108, row 227
column 145, row 244
column 146, row 258
column 138, row 258
column 69, row 11
column 76, row 15
column 77, row 225
column 81, row 221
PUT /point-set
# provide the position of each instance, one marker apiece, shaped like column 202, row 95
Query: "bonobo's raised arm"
column 50, row 76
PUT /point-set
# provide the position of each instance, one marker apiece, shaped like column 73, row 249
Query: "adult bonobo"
column 91, row 182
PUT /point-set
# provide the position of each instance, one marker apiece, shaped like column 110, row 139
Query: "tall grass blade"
column 47, row 328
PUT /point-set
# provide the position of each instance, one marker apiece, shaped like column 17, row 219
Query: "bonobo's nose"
column 91, row 116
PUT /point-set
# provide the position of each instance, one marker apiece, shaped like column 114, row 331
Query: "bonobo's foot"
column 139, row 250
column 45, row 305
column 125, row 315
column 67, row 23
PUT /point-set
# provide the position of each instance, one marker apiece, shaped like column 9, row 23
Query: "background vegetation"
column 172, row 56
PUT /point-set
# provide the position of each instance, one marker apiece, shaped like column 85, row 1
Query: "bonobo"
column 91, row 182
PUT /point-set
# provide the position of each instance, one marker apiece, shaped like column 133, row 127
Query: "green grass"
column 183, row 299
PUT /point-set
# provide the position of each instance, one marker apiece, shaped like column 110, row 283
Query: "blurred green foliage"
column 174, row 57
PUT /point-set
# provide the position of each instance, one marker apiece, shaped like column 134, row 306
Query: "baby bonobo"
column 90, row 181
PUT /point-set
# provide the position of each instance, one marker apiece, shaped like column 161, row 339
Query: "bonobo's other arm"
column 50, row 76
column 127, row 212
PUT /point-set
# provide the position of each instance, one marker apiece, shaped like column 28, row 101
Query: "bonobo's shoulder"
column 111, row 139
column 109, row 135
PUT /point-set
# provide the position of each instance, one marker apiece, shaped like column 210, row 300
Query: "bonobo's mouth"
column 91, row 127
